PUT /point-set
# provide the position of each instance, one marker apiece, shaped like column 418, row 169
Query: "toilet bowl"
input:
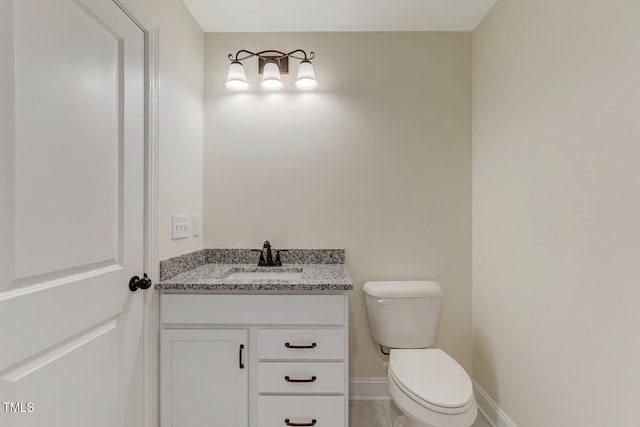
column 430, row 388
column 427, row 385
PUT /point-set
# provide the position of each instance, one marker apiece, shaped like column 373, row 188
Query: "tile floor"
column 381, row 413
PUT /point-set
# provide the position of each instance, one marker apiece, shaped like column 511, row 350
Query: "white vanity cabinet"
column 254, row 360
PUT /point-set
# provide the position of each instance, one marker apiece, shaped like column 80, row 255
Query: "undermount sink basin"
column 259, row 274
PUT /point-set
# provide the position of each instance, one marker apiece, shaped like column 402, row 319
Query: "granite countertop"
column 322, row 270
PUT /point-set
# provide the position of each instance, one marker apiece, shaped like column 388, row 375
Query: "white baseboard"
column 490, row 410
column 368, row 389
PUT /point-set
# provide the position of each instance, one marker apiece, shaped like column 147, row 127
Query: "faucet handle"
column 278, row 262
column 261, row 261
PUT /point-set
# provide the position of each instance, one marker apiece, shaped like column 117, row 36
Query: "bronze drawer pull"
column 312, row 423
column 313, row 345
column 310, row 380
column 240, row 364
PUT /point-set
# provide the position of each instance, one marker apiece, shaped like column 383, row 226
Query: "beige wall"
column 376, row 161
column 556, row 202
column 181, row 115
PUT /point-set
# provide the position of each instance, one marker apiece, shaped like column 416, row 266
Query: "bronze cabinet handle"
column 291, row 380
column 287, row 345
column 289, row 423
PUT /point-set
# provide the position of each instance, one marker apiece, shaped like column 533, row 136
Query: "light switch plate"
column 196, row 225
column 179, row 227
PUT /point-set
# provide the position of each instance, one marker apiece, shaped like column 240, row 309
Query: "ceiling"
column 338, row 15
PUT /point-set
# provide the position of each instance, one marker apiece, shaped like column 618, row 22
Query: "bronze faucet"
column 269, row 261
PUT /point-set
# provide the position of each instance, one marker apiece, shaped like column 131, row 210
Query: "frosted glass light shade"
column 306, row 76
column 271, row 77
column 236, row 78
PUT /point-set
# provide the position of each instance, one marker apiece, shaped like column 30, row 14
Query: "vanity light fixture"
column 271, row 64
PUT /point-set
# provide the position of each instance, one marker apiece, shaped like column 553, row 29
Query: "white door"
column 71, row 214
column 203, row 378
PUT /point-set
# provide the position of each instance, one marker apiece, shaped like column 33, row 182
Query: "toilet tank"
column 403, row 314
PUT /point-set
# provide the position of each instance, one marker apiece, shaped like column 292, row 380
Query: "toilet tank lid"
column 403, row 289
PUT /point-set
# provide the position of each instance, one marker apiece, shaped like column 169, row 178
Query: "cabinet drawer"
column 301, row 377
column 327, row 411
column 301, row 344
column 223, row 309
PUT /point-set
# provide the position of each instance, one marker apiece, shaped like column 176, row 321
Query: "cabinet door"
column 203, row 378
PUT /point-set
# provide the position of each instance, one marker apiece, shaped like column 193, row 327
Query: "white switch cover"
column 179, row 226
column 196, row 225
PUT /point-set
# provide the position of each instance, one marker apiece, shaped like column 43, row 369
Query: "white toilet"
column 427, row 385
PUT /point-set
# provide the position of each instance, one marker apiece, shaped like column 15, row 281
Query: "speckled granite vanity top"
column 236, row 270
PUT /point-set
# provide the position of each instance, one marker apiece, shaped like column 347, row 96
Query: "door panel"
column 32, row 381
column 71, row 210
column 69, row 149
column 68, row 140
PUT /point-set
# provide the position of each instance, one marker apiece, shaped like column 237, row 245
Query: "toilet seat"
column 431, row 378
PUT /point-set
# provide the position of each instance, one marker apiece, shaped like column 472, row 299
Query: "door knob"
column 137, row 283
